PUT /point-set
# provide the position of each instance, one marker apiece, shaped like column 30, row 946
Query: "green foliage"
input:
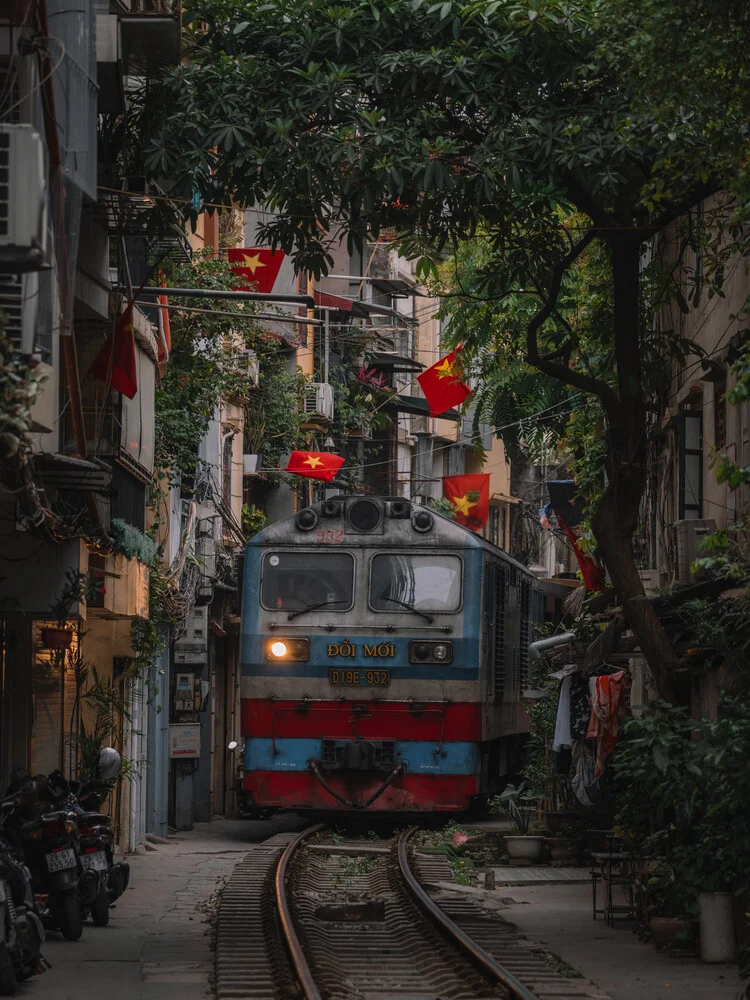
column 273, row 411
column 682, row 788
column 131, row 542
column 101, row 707
column 515, row 803
column 79, row 587
column 19, row 388
column 540, row 770
column 253, row 520
column 443, row 507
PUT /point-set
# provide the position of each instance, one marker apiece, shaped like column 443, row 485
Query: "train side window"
column 291, row 581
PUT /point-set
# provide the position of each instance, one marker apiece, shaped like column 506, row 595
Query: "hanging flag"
column 470, row 495
column 442, row 384
column 115, row 364
column 592, row 573
column 258, row 266
column 315, row 464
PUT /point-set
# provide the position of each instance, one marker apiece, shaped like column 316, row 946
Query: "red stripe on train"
column 390, row 720
column 407, row 793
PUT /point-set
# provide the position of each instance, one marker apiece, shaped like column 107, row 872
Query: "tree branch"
column 565, row 374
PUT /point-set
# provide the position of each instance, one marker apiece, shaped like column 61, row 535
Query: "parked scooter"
column 50, row 846
column 21, row 930
column 108, row 878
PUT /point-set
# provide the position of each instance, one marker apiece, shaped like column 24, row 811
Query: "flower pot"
column 528, row 848
column 559, row 849
column 250, row 464
column 57, row 638
column 718, row 942
column 560, row 818
column 668, row 932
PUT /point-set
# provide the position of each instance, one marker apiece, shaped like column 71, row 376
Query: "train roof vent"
column 365, row 516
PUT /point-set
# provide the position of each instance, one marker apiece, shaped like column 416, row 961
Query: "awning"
column 67, row 472
column 333, row 301
column 420, row 407
column 356, row 307
column 395, row 362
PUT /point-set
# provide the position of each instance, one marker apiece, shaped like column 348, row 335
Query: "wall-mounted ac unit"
column 19, row 301
column 687, row 535
column 192, row 647
column 317, row 402
column 247, row 362
column 23, row 200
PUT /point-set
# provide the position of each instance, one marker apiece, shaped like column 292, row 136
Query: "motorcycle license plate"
column 96, row 861
column 60, row 860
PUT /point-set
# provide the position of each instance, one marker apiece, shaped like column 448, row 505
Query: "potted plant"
column 79, row 587
column 516, row 803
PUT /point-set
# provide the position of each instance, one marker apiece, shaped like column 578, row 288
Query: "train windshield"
column 423, row 582
column 291, row 581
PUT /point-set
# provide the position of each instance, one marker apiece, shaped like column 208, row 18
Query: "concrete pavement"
column 157, row 945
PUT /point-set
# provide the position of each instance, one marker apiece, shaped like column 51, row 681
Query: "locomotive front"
column 360, row 660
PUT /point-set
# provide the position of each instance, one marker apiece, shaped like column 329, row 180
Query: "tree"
column 465, row 117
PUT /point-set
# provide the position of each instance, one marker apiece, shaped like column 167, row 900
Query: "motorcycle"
column 21, row 929
column 50, row 845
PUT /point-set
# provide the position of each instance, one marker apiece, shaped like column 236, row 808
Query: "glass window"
column 291, row 581
column 424, row 582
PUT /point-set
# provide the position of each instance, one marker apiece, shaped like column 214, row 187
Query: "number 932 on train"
column 384, row 652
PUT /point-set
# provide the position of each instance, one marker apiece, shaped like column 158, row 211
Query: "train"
column 384, row 655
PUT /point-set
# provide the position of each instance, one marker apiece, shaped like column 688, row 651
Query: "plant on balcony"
column 79, row 587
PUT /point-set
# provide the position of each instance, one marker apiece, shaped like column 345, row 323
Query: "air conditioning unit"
column 19, row 302
column 192, row 647
column 317, row 402
column 247, row 362
column 687, row 535
column 23, row 199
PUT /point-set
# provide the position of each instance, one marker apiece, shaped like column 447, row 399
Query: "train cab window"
column 423, row 582
column 293, row 581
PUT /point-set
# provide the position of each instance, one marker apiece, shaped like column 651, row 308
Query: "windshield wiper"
column 409, row 607
column 311, row 607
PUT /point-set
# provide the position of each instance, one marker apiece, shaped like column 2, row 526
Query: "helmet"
column 107, row 764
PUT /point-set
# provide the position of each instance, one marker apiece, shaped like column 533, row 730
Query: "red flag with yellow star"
column 258, row 266
column 315, row 464
column 442, row 384
column 470, row 496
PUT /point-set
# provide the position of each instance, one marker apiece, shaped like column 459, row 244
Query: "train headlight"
column 422, row 651
column 287, row 650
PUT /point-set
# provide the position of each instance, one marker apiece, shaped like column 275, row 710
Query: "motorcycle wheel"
column 100, row 907
column 69, row 916
column 7, row 973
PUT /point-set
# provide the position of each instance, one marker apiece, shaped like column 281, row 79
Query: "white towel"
column 562, row 722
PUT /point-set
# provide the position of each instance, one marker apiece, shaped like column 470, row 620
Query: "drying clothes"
column 580, row 707
column 607, row 712
column 562, row 722
column 583, row 782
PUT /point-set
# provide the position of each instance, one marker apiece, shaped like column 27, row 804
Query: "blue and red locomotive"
column 384, row 653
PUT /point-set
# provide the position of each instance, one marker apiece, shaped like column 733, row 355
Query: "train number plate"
column 59, row 861
column 359, row 677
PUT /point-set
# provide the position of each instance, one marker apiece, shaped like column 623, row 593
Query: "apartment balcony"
column 151, row 36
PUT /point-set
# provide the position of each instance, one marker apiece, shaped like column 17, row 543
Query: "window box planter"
column 57, row 638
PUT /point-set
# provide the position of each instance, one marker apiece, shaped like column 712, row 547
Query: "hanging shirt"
column 562, row 722
column 607, row 711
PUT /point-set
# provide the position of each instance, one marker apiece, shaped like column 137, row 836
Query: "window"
column 291, row 581
column 424, row 582
column 226, row 470
column 691, row 464
column 494, row 524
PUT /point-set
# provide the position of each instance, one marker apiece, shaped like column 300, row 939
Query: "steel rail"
column 478, row 956
column 309, row 989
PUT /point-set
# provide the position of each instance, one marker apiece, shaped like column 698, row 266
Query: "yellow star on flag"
column 446, row 370
column 253, row 262
column 462, row 504
column 313, row 461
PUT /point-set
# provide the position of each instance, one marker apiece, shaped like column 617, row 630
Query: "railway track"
column 337, row 921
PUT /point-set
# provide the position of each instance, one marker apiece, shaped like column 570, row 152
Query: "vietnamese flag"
column 258, row 266
column 442, row 384
column 470, row 496
column 593, row 574
column 315, row 464
column 115, row 364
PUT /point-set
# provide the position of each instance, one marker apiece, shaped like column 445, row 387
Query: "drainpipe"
column 55, row 161
column 539, row 648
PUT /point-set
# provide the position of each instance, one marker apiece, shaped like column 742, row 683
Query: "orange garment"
column 607, row 711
